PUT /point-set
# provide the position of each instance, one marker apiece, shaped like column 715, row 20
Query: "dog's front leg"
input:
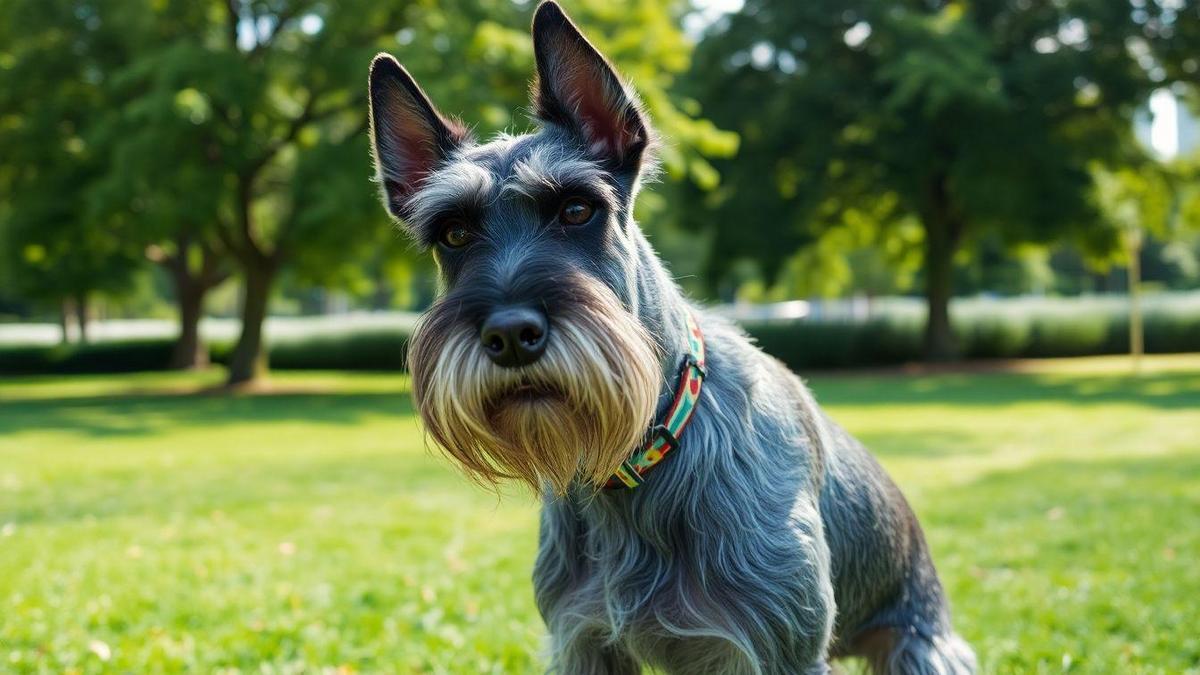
column 578, row 641
column 572, row 652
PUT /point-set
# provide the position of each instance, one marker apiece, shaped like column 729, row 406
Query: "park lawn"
column 145, row 527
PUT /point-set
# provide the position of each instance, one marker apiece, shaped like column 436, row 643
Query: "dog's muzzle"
column 546, row 400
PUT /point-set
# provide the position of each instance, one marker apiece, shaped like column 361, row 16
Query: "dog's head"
column 532, row 365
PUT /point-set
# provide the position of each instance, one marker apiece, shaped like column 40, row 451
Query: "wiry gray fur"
column 770, row 541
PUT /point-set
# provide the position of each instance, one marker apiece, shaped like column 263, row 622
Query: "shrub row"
column 100, row 357
column 374, row 349
column 892, row 338
column 368, row 350
column 839, row 344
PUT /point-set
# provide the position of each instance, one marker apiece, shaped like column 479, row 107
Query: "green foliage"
column 266, row 102
column 1175, row 27
column 972, row 119
column 1136, row 198
column 148, row 530
column 854, row 256
column 237, row 130
column 56, row 62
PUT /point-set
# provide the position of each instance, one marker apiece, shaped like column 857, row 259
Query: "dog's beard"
column 574, row 414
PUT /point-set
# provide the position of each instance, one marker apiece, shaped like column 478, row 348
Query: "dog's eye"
column 576, row 211
column 455, row 234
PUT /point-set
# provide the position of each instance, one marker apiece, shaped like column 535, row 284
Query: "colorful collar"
column 664, row 437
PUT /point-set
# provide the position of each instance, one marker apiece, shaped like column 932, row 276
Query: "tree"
column 230, row 134
column 1172, row 54
column 1137, row 200
column 95, row 182
column 974, row 118
column 274, row 93
column 241, row 143
column 163, row 176
column 56, row 61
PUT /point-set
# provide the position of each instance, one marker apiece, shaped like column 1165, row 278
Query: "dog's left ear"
column 578, row 89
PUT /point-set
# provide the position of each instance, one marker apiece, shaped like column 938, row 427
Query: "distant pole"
column 1136, row 331
column 1162, row 139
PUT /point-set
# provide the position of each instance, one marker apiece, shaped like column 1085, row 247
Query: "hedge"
column 369, row 350
column 374, row 349
column 1051, row 332
column 100, row 357
column 1007, row 329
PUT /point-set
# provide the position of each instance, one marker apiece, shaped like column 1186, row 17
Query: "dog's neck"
column 661, row 308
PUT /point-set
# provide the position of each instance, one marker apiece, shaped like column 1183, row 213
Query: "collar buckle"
column 661, row 432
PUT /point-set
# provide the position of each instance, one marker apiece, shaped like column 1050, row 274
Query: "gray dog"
column 701, row 514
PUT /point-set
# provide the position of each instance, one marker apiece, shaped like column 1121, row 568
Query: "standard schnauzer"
column 700, row 513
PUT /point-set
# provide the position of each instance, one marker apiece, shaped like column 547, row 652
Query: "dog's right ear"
column 577, row 88
column 409, row 137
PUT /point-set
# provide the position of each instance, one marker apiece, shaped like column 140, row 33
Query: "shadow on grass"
column 931, row 443
column 1161, row 390
column 142, row 414
column 1091, row 559
column 1089, row 490
column 254, row 487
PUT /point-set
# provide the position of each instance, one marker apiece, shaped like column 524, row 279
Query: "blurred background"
column 925, row 206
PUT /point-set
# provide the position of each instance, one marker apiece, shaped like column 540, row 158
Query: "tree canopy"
column 55, row 245
column 969, row 118
column 233, row 132
column 879, row 144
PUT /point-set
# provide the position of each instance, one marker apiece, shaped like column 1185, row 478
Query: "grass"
column 147, row 529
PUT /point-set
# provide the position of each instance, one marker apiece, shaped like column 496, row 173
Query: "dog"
column 700, row 513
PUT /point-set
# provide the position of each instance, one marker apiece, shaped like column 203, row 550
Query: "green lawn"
column 146, row 528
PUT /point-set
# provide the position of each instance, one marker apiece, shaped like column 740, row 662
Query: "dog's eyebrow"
column 543, row 172
column 459, row 184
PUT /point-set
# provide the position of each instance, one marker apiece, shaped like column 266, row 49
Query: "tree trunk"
column 939, row 344
column 191, row 287
column 1137, row 334
column 81, row 316
column 248, row 360
column 189, row 353
column 942, row 234
column 66, row 311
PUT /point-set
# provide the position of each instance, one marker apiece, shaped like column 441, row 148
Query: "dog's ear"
column 409, row 137
column 578, row 89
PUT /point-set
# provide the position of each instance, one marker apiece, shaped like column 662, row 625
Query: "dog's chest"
column 653, row 602
column 674, row 591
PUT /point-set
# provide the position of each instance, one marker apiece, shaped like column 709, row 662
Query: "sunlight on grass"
column 145, row 527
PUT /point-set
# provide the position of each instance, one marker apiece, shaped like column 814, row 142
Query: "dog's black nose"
column 514, row 336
